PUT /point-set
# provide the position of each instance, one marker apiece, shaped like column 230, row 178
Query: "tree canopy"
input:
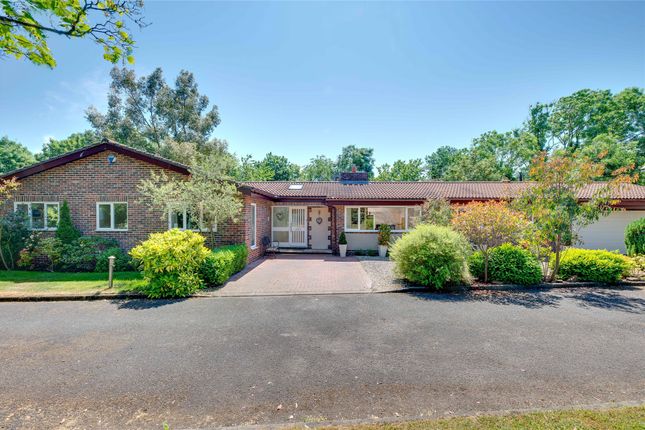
column 25, row 26
column 54, row 147
column 13, row 155
column 146, row 112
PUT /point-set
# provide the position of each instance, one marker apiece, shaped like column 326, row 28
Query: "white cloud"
column 69, row 100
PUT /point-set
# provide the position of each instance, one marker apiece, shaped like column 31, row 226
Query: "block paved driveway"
column 299, row 274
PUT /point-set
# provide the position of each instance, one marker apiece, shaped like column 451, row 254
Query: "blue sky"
column 301, row 79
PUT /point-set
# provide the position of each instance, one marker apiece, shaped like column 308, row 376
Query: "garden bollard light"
column 111, row 259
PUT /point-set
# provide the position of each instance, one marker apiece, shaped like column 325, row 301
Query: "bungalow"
column 99, row 183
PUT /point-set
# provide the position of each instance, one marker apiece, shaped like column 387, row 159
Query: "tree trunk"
column 4, row 262
column 556, row 266
column 486, row 267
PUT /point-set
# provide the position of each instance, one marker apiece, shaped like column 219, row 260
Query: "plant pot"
column 343, row 250
column 382, row 251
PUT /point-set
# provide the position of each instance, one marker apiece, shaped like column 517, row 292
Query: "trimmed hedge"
column 170, row 262
column 593, row 265
column 635, row 237
column 222, row 263
column 432, row 255
column 509, row 264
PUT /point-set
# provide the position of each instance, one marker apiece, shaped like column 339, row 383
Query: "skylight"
column 295, row 187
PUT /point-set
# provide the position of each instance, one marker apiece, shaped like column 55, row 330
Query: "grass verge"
column 16, row 282
column 621, row 418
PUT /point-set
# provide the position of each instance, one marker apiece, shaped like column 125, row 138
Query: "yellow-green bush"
column 593, row 265
column 432, row 255
column 222, row 263
column 170, row 262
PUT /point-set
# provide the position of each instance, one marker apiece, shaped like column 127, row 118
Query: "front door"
column 289, row 225
column 320, row 227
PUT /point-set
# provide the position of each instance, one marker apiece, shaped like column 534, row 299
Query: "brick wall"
column 84, row 182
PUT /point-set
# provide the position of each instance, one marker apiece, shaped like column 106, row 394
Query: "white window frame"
column 127, row 212
column 45, row 228
column 359, row 230
column 185, row 212
column 254, row 236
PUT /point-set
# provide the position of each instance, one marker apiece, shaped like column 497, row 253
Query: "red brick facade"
column 87, row 181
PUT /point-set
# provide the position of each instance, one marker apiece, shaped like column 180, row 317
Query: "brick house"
column 99, row 183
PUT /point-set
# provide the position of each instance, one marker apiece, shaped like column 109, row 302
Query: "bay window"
column 399, row 218
column 39, row 215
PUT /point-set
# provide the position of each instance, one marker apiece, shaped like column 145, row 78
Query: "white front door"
column 289, row 225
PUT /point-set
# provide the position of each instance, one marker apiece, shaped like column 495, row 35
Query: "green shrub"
column 342, row 239
column 66, row 232
column 171, row 262
column 384, row 234
column 14, row 233
column 509, row 264
column 432, row 255
column 476, row 265
column 82, row 254
column 514, row 265
column 222, row 263
column 635, row 237
column 593, row 265
column 122, row 262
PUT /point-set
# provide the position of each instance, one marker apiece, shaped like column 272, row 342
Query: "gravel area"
column 381, row 272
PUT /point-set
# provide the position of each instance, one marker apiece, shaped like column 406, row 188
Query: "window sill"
column 254, row 247
column 43, row 229
column 99, row 230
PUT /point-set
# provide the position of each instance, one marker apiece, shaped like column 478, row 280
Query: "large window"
column 254, row 213
column 185, row 220
column 39, row 215
column 399, row 218
column 112, row 216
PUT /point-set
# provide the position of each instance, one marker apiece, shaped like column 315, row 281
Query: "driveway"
column 261, row 360
column 299, row 274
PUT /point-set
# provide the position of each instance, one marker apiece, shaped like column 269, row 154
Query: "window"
column 254, row 213
column 112, row 216
column 399, row 218
column 39, row 215
column 183, row 220
column 295, row 187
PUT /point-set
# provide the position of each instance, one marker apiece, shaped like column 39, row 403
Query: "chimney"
column 354, row 177
column 353, row 168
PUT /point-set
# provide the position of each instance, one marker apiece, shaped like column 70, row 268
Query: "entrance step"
column 303, row 251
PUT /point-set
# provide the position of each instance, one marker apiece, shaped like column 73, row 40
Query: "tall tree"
column 511, row 151
column 74, row 141
column 282, row 169
column 614, row 155
column 320, row 168
column 7, row 188
column 248, row 169
column 362, row 158
column 13, row 155
column 401, row 170
column 25, row 26
column 438, row 162
column 145, row 112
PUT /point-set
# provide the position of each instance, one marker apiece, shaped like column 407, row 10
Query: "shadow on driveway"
column 605, row 298
column 143, row 304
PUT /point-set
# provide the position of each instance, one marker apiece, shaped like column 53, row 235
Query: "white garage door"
column 608, row 232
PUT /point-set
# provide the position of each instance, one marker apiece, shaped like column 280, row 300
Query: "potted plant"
column 384, row 235
column 342, row 244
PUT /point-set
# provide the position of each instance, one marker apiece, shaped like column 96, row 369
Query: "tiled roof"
column 332, row 190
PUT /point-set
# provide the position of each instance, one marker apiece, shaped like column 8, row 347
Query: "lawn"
column 622, row 418
column 23, row 282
